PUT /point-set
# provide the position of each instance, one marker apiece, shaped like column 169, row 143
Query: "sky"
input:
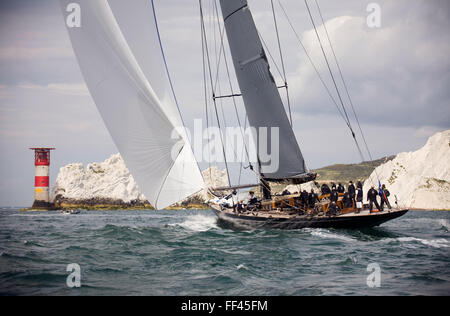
column 398, row 75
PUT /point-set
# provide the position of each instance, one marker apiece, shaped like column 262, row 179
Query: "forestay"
column 119, row 55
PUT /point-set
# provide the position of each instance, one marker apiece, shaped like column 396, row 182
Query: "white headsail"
column 118, row 51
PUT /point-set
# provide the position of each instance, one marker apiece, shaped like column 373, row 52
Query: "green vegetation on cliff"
column 346, row 172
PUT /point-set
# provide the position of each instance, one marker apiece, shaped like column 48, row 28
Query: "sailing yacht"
column 264, row 107
column 120, row 54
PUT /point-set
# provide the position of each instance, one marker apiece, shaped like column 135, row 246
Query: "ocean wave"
column 32, row 243
column 444, row 224
column 236, row 252
column 435, row 243
column 439, row 223
column 36, row 214
column 198, row 223
column 121, row 232
column 189, row 253
column 323, row 233
column 241, row 266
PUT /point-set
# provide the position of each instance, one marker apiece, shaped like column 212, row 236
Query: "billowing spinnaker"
column 140, row 121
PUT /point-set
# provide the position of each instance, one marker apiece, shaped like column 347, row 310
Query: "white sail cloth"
column 117, row 47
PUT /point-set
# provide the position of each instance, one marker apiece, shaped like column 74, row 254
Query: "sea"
column 188, row 252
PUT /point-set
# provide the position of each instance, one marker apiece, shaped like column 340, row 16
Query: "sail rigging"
column 120, row 54
column 260, row 94
column 346, row 88
column 262, row 100
column 344, row 113
column 122, row 62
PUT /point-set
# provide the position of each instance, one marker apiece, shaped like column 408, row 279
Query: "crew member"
column 384, row 194
column 312, row 199
column 240, row 206
column 230, row 200
column 372, row 198
column 333, row 209
column 325, row 189
column 253, row 202
column 340, row 188
column 359, row 184
column 359, row 197
column 252, row 198
column 347, row 200
column 304, row 199
column 351, row 190
column 334, row 196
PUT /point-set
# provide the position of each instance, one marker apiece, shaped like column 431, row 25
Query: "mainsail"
column 262, row 100
column 118, row 51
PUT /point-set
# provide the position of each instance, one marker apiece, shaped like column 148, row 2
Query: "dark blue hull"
column 298, row 222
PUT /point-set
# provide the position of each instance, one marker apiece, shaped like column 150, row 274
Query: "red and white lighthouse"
column 41, row 177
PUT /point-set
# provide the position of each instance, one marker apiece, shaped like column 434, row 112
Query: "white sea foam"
column 241, row 266
column 444, row 223
column 329, row 235
column 236, row 252
column 199, row 223
column 436, row 243
column 36, row 214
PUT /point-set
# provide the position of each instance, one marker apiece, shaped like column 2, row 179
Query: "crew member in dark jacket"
column 312, row 199
column 359, row 196
column 304, row 199
column 325, row 189
column 253, row 202
column 333, row 209
column 340, row 188
column 351, row 190
column 359, row 184
column 334, row 196
column 347, row 200
column 384, row 193
column 372, row 198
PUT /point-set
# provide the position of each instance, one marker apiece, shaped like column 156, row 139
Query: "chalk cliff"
column 419, row 179
column 109, row 183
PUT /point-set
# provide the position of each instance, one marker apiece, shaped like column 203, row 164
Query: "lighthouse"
column 41, row 177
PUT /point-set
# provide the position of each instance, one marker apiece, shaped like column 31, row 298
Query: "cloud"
column 397, row 75
column 22, row 51
column 34, row 46
column 426, row 131
column 77, row 89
